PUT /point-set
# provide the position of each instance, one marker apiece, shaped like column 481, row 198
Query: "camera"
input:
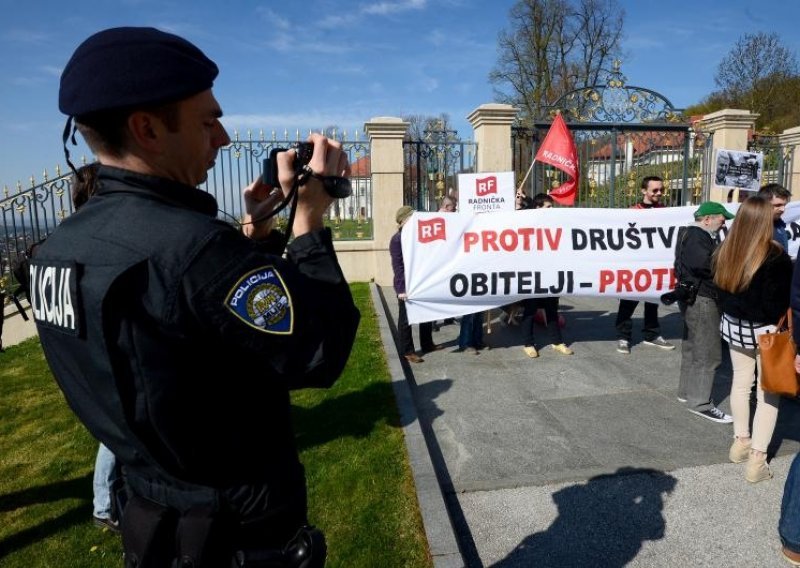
column 685, row 292
column 337, row 187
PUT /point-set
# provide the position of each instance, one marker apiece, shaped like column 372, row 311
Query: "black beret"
column 132, row 67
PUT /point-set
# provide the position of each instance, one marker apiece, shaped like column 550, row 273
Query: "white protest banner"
column 488, row 192
column 458, row 263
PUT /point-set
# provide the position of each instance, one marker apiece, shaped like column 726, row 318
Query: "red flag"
column 558, row 149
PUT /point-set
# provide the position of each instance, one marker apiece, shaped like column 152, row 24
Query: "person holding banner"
column 549, row 305
column 652, row 190
column 403, row 328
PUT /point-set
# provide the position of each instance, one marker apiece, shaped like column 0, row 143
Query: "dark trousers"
column 471, row 332
column 624, row 325
column 404, row 332
column 550, row 307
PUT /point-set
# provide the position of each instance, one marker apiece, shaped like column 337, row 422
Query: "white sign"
column 460, row 263
column 734, row 168
column 489, row 192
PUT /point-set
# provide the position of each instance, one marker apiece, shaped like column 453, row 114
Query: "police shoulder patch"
column 260, row 299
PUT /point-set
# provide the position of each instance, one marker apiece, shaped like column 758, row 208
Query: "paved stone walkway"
column 589, row 460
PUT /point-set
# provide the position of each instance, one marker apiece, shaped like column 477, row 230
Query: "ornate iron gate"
column 623, row 133
column 432, row 166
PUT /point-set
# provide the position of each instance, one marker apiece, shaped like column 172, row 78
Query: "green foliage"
column 759, row 74
column 361, row 492
column 46, row 466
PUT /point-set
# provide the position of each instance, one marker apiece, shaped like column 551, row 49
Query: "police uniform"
column 176, row 340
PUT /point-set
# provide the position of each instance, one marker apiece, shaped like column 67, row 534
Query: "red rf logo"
column 485, row 186
column 430, row 230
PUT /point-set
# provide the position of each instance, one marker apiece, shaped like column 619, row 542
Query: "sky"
column 311, row 64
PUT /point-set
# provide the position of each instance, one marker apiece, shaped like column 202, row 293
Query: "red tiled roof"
column 361, row 168
column 643, row 143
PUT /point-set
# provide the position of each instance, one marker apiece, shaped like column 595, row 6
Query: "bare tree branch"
column 552, row 47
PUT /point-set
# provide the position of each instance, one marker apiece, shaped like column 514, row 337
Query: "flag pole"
column 526, row 175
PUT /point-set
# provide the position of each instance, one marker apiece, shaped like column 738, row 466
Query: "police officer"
column 175, row 337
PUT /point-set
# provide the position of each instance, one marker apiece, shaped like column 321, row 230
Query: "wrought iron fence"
column 432, row 165
column 777, row 159
column 30, row 214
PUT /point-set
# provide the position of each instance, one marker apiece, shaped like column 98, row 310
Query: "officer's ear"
column 147, row 130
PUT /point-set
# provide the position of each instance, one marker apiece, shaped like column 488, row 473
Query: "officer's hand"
column 797, row 364
column 313, row 201
column 259, row 201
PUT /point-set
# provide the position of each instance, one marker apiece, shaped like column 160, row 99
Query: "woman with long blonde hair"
column 754, row 276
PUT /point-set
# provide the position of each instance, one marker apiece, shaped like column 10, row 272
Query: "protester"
column 448, row 205
column 778, row 196
column 522, row 201
column 549, row 305
column 754, row 275
column 470, row 336
column 701, row 351
column 514, row 312
column 789, row 523
column 174, row 336
column 403, row 329
column 652, row 189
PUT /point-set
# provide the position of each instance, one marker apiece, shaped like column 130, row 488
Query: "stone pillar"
column 386, row 162
column 790, row 146
column 369, row 260
column 492, row 126
column 731, row 128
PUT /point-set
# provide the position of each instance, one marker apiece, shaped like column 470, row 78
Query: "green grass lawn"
column 360, row 488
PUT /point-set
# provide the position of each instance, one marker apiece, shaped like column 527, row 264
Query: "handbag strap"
column 786, row 318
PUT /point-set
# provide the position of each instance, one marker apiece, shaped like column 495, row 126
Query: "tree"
column 421, row 126
column 553, row 47
column 752, row 71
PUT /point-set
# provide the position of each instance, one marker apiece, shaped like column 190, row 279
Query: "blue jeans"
column 789, row 523
column 105, row 472
column 471, row 334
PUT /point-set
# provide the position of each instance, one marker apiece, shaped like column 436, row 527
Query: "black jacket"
column 693, row 259
column 767, row 297
column 176, row 339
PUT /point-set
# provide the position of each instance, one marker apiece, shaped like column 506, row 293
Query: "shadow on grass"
column 603, row 520
column 78, row 488
column 354, row 414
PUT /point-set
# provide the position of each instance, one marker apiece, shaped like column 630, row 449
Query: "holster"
column 148, row 534
column 155, row 536
column 306, row 550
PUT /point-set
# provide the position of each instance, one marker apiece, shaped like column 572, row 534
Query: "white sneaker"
column 623, row 347
column 714, row 414
column 659, row 342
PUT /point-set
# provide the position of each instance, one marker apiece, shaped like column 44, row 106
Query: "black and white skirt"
column 742, row 333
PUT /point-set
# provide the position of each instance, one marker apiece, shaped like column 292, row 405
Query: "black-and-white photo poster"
column 735, row 168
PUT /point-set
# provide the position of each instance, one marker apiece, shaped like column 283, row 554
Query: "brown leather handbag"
column 777, row 359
